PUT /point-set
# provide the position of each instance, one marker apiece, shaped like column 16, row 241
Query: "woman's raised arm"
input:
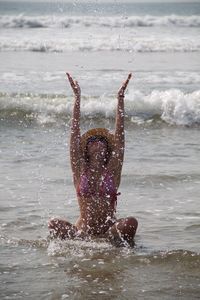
column 119, row 125
column 75, row 146
column 118, row 155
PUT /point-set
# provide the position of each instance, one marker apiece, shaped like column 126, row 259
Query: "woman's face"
column 97, row 150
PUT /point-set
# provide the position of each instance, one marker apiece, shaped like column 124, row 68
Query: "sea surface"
column 99, row 44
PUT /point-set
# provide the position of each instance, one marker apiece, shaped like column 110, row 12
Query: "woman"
column 96, row 161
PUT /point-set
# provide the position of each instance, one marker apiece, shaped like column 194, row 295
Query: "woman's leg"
column 62, row 229
column 123, row 230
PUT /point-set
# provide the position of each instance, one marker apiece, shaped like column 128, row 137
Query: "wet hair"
column 98, row 138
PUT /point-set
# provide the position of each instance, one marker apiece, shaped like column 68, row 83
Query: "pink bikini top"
column 107, row 188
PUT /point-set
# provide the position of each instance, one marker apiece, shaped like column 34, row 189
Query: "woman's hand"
column 75, row 86
column 124, row 86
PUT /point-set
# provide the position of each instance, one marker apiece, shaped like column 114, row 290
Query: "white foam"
column 59, row 21
column 88, row 33
column 172, row 105
column 100, row 42
column 77, row 248
column 174, row 78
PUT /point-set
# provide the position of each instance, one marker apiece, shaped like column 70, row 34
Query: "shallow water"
column 76, row 270
column 160, row 187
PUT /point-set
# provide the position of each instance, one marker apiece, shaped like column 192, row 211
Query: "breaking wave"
column 101, row 43
column 171, row 106
column 24, row 21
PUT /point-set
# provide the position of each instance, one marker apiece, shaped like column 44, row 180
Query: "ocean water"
column 99, row 44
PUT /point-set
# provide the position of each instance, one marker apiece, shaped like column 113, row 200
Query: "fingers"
column 74, row 84
column 76, row 88
column 77, row 85
column 124, row 86
column 129, row 76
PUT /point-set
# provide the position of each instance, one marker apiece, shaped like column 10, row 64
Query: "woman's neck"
column 97, row 167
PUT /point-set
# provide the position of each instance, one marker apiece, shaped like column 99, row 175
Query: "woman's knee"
column 127, row 225
column 131, row 222
column 54, row 223
column 61, row 228
column 124, row 229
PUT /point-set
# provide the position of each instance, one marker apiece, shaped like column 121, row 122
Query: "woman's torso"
column 97, row 200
